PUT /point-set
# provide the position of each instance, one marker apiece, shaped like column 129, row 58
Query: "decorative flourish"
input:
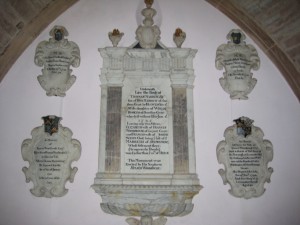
column 179, row 37
column 115, row 36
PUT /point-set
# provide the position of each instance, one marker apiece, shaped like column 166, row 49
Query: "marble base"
column 153, row 195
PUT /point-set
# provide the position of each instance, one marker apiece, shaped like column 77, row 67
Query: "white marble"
column 56, row 56
column 115, row 37
column 238, row 59
column 148, row 169
column 147, row 220
column 147, row 187
column 245, row 155
column 148, row 34
column 50, row 154
column 179, row 37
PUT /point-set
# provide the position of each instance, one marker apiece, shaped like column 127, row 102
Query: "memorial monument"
column 50, row 154
column 245, row 155
column 147, row 162
column 238, row 59
column 56, row 56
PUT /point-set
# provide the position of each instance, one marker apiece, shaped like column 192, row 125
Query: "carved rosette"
column 50, row 154
column 238, row 59
column 148, row 34
column 56, row 56
column 245, row 155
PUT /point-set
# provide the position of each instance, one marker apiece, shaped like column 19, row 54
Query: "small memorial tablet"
column 50, row 153
column 238, row 59
column 56, row 56
column 245, row 156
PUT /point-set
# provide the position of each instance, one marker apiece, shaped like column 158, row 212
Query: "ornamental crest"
column 51, row 124
column 243, row 125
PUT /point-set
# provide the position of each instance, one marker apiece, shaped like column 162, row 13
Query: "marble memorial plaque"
column 56, row 56
column 147, row 147
column 147, row 142
column 238, row 58
column 245, row 155
column 50, row 154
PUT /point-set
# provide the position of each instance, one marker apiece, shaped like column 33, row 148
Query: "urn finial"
column 115, row 36
column 179, row 37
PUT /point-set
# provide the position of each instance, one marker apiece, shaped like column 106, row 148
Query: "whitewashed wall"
column 272, row 105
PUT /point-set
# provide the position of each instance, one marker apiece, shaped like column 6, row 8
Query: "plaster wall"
column 272, row 105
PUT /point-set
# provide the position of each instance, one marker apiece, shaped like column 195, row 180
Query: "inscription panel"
column 146, row 135
column 50, row 156
column 57, row 62
column 245, row 158
column 237, row 66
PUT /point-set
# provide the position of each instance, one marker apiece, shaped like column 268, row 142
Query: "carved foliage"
column 56, row 56
column 50, row 156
